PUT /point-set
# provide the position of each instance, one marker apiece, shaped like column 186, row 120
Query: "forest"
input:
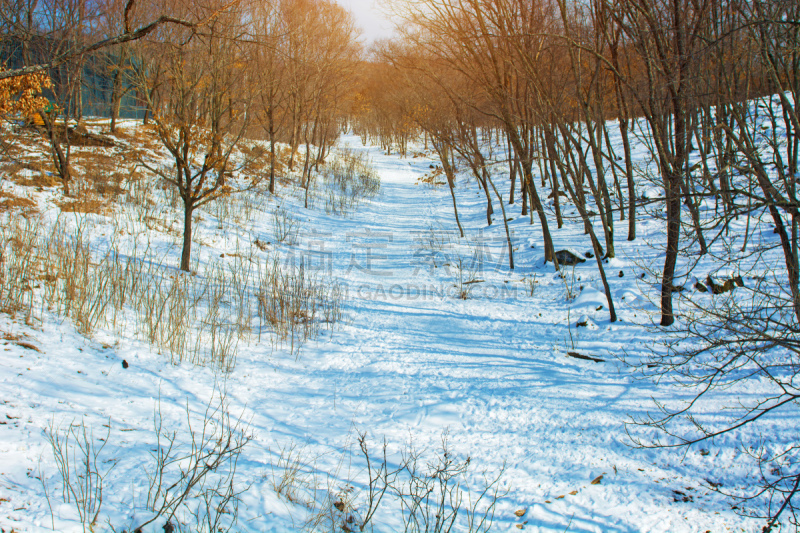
column 247, row 192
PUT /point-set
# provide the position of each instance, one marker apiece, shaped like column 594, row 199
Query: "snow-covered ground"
column 410, row 363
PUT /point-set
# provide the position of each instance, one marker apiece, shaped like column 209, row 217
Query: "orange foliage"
column 22, row 94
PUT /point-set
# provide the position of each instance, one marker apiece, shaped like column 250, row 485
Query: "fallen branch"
column 576, row 355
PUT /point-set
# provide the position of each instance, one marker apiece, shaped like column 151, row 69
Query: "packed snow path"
column 415, row 360
column 410, row 361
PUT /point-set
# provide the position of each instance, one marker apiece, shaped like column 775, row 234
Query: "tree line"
column 552, row 79
column 707, row 88
column 209, row 76
column 561, row 92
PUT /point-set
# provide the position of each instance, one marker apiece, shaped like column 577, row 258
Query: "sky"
column 369, row 18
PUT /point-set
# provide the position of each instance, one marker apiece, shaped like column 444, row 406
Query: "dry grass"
column 431, row 179
column 109, row 185
column 347, row 181
column 86, row 204
column 101, row 172
column 143, row 137
column 200, row 318
column 30, row 172
column 93, row 161
column 25, row 158
column 22, row 341
column 10, row 202
column 296, row 303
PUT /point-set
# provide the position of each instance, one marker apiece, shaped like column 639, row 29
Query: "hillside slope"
column 410, row 362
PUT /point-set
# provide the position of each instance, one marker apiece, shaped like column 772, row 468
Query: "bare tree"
column 269, row 30
column 76, row 51
column 202, row 113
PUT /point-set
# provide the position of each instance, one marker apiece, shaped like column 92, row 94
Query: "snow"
column 409, row 362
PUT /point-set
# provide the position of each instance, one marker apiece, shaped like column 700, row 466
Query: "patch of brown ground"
column 10, row 202
column 86, row 204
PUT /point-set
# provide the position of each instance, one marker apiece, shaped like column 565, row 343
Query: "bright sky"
column 369, row 18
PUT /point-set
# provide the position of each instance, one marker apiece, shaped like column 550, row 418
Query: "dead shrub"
column 18, row 266
column 296, row 302
column 347, row 181
column 256, row 161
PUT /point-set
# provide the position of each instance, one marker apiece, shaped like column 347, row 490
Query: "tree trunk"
column 444, row 157
column 60, row 156
column 672, row 187
column 306, row 180
column 512, row 169
column 116, row 97
column 536, row 204
column 271, row 119
column 598, row 251
column 505, row 221
column 626, row 147
column 186, row 252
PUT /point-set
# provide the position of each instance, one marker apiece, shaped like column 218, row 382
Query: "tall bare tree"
column 202, row 113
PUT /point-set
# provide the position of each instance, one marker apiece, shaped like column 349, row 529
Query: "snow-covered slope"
column 410, row 362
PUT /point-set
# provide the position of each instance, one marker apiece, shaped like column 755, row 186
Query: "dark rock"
column 565, row 257
column 124, row 364
column 621, row 274
column 727, row 286
column 700, row 287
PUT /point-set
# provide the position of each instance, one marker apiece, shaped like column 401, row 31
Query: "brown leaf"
column 520, row 512
column 28, row 346
column 573, row 493
column 598, row 479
